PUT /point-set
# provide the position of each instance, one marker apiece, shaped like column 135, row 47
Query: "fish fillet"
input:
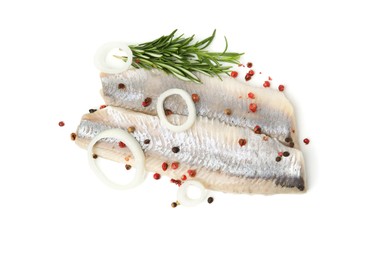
column 210, row 147
column 274, row 112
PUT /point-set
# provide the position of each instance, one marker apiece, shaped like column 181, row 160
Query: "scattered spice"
column 177, row 182
column 131, row 129
column 266, row 84
column 191, row 173
column 195, row 98
column 175, row 165
column 228, row 111
column 92, row 110
column 281, row 88
column 257, row 130
column 251, row 95
column 306, row 140
column 251, row 72
column 278, row 159
column 122, row 144
column 288, row 139
column 147, row 102
column 286, row 154
column 183, row 177
column 210, row 200
column 174, row 204
column 73, row 136
column 252, row 107
column 121, row 86
column 175, row 149
column 164, row 166
column 147, row 141
column 128, row 166
column 249, row 64
column 242, row 142
column 61, row 123
column 94, row 156
column 248, row 77
column 168, row 112
column 234, row 74
column 156, row 176
column 102, row 106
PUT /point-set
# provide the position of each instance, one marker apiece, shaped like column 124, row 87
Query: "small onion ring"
column 182, row 195
column 190, row 106
column 135, row 148
column 100, row 59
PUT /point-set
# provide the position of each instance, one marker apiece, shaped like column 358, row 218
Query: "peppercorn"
column 242, row 142
column 121, row 86
column 286, row 154
column 73, row 136
column 175, row 149
column 210, row 200
column 228, row 111
column 146, row 141
column 278, row 159
column 128, row 166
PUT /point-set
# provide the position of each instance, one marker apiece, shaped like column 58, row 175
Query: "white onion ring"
column 182, row 195
column 100, row 59
column 190, row 106
column 134, row 147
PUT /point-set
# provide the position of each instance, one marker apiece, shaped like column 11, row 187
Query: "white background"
column 333, row 57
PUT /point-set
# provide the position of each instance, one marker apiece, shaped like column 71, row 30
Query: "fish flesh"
column 210, row 147
column 274, row 113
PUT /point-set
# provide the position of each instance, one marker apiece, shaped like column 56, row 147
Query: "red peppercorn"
column 234, row 74
column 280, row 153
column 156, row 176
column 191, row 173
column 252, row 107
column 251, row 72
column 248, row 77
column 183, row 177
column 122, row 144
column 306, row 141
column 195, row 98
column 102, row 106
column 266, row 84
column 251, row 95
column 242, row 142
column 164, row 166
column 257, row 130
column 175, row 165
column 61, row 123
column 281, row 88
column 249, row 64
column 147, row 102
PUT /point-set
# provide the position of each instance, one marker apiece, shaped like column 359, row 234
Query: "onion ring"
column 134, row 147
column 182, row 195
column 190, row 106
column 100, row 59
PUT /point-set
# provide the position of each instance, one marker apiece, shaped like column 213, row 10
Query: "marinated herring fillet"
column 274, row 113
column 210, row 147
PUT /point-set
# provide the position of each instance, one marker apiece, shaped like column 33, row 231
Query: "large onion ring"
column 190, row 106
column 182, row 195
column 100, row 59
column 134, row 147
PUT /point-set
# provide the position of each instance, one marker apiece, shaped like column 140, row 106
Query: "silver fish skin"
column 274, row 112
column 210, row 146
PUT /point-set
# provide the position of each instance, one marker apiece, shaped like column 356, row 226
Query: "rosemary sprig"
column 181, row 57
